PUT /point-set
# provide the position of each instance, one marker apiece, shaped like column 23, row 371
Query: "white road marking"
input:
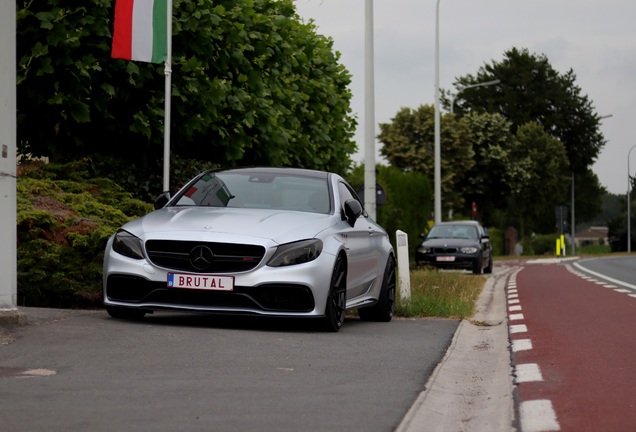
column 622, row 291
column 538, row 416
column 529, row 372
column 514, row 308
column 521, row 345
column 616, row 281
column 518, row 328
column 515, row 317
column 513, row 301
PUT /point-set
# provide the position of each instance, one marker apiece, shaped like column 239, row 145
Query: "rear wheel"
column 125, row 313
column 337, row 299
column 383, row 309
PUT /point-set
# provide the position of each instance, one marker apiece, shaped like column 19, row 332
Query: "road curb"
column 471, row 389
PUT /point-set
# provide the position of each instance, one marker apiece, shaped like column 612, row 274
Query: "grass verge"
column 441, row 294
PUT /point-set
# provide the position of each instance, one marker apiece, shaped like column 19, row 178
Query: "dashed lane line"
column 607, row 278
column 535, row 415
column 528, row 372
column 538, row 416
column 518, row 328
column 521, row 345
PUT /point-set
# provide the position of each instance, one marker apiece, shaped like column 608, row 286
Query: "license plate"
column 446, row 258
column 202, row 282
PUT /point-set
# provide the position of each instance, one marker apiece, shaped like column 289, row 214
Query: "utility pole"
column 8, row 173
column 369, row 115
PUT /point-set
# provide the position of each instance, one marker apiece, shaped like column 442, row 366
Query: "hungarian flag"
column 141, row 30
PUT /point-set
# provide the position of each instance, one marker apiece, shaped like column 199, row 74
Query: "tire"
column 488, row 269
column 477, row 265
column 383, row 310
column 337, row 298
column 125, row 313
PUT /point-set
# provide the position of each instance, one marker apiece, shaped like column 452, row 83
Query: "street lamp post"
column 484, row 84
column 437, row 169
column 629, row 213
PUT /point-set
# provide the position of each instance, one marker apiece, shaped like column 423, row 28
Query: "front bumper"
column 446, row 261
column 295, row 290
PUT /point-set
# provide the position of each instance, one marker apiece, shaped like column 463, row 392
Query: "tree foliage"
column 532, row 91
column 251, row 84
column 408, row 144
column 495, row 174
column 513, row 178
column 545, row 165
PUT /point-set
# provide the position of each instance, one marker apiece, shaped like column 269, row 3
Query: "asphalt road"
column 81, row 370
column 620, row 270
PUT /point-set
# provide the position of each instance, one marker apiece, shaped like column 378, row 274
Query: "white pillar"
column 8, row 231
column 404, row 273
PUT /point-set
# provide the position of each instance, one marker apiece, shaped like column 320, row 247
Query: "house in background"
column 596, row 236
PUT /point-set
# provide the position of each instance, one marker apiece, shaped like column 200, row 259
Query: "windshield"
column 259, row 190
column 453, row 231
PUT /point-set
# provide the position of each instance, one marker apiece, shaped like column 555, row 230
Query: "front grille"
column 187, row 256
column 450, row 250
column 270, row 297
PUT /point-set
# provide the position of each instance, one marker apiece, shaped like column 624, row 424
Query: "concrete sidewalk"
column 472, row 388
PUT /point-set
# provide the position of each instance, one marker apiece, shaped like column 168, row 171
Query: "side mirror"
column 162, row 200
column 353, row 210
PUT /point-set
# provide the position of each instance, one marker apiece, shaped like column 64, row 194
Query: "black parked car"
column 456, row 245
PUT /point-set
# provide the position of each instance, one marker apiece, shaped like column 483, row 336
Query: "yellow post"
column 558, row 246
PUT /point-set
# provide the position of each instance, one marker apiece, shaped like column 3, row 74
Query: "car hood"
column 229, row 224
column 450, row 242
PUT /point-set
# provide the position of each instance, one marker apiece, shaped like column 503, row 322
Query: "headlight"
column 424, row 250
column 468, row 250
column 128, row 245
column 296, row 253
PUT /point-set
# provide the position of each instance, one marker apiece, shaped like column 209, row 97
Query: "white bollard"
column 404, row 274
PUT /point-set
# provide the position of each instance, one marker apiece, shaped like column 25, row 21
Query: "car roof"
column 274, row 170
column 458, row 223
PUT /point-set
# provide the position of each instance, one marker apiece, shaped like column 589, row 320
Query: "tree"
column 495, row 174
column 252, row 84
column 546, row 174
column 531, row 90
column 589, row 196
column 408, row 144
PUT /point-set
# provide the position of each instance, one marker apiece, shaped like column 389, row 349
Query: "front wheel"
column 477, row 265
column 337, row 298
column 488, row 269
column 383, row 310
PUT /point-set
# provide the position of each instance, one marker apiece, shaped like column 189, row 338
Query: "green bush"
column 64, row 219
column 497, row 240
column 542, row 244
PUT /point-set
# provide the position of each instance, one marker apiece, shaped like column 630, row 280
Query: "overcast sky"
column 594, row 38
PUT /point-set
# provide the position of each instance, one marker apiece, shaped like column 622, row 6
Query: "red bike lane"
column 578, row 336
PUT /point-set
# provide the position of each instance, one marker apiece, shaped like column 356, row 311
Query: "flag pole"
column 167, row 107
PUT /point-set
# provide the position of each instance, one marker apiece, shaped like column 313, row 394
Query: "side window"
column 346, row 193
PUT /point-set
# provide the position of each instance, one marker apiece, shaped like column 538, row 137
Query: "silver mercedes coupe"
column 258, row 241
